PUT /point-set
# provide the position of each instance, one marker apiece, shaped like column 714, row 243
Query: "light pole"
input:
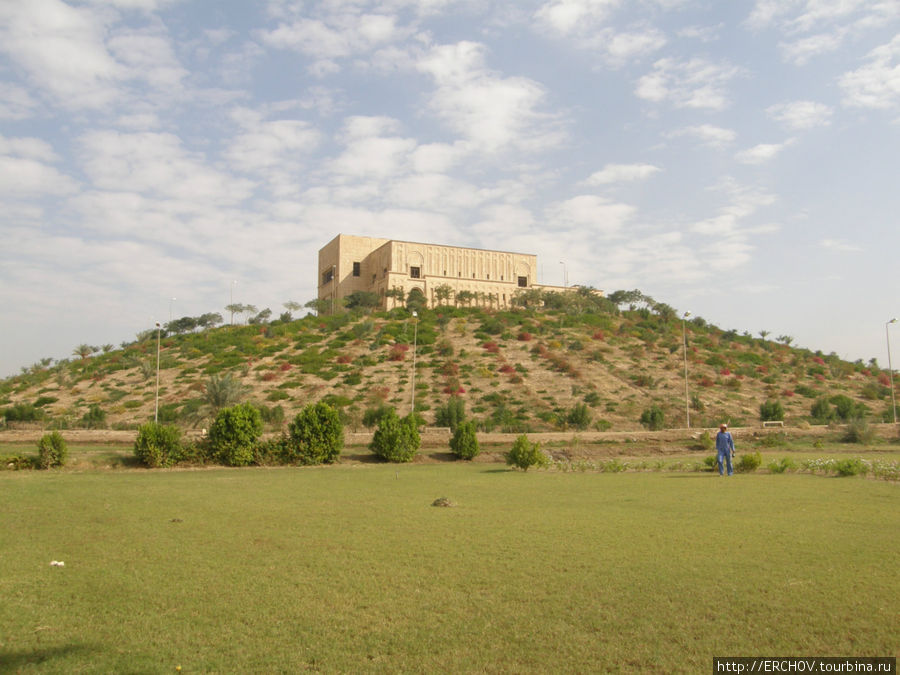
column 415, row 340
column 565, row 274
column 156, row 411
column 890, row 367
column 687, row 404
column 171, row 300
column 233, row 282
column 333, row 287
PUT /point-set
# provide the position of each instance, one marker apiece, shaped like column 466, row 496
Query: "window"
column 415, row 272
column 356, row 269
column 328, row 276
column 523, row 282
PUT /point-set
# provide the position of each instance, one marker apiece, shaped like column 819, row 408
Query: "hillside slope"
column 521, row 370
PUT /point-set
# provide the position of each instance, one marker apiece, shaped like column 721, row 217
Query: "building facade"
column 491, row 278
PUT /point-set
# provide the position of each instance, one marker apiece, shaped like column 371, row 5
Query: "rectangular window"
column 328, row 276
column 415, row 272
column 523, row 282
column 356, row 269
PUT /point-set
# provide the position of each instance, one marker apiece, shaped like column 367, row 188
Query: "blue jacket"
column 724, row 442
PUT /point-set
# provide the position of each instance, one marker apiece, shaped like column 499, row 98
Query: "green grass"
column 349, row 568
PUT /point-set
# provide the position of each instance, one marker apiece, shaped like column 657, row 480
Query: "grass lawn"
column 349, row 568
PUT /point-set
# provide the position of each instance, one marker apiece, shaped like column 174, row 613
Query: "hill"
column 577, row 362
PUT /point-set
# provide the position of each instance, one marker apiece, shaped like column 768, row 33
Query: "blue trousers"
column 726, row 455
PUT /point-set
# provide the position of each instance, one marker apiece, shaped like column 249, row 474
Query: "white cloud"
column 565, row 16
column 707, row 134
column 62, row 49
column 266, row 146
column 876, row 84
column 22, row 176
column 801, row 115
column 695, row 83
column 802, row 51
column 15, row 102
column 600, row 217
column 841, row 245
column 762, row 153
column 492, row 111
column 158, row 165
column 622, row 173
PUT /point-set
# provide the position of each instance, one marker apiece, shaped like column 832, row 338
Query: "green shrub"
column 782, row 465
column 372, row 416
column 711, row 463
column 18, row 462
column 771, row 411
column 464, row 443
column 316, row 435
column 157, row 445
column 851, row 466
column 525, row 454
column 94, row 418
column 706, row 442
column 22, row 412
column 749, row 462
column 859, row 431
column 52, row 450
column 653, row 418
column 451, row 414
column 234, row 434
column 395, row 439
column 579, row 416
column 775, row 440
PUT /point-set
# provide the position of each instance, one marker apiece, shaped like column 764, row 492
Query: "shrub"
column 851, row 466
column 18, row 462
column 525, row 454
column 316, row 435
column 464, row 443
column 94, row 418
column 749, row 462
column 579, row 416
column 859, row 431
column 771, row 410
column 396, row 440
column 653, row 418
column 782, row 465
column 706, row 442
column 234, row 433
column 157, row 445
column 451, row 414
column 22, row 412
column 710, row 462
column 52, row 450
column 372, row 416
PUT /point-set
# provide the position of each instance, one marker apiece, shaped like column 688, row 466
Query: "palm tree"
column 222, row 391
column 764, row 334
column 83, row 351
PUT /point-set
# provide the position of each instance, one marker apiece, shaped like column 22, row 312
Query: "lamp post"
column 565, row 274
column 415, row 340
column 890, row 367
column 156, row 411
column 687, row 404
column 333, row 286
column 233, row 282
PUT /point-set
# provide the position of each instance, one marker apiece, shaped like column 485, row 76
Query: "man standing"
column 724, row 449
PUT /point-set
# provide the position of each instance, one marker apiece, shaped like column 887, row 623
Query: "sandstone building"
column 490, row 278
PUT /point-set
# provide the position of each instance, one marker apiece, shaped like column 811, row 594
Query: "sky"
column 736, row 159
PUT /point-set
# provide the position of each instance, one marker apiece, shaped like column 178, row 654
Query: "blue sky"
column 734, row 159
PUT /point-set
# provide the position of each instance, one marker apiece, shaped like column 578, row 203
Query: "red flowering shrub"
column 268, row 376
column 506, row 368
column 284, row 367
column 787, row 393
column 598, row 335
column 398, row 352
column 706, row 382
column 344, row 358
column 525, row 336
column 492, row 347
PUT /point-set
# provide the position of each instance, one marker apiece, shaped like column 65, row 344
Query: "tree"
column 365, row 300
column 318, row 305
column 235, row 433
column 291, row 306
column 52, row 450
column 209, row 320
column 785, row 339
column 451, row 414
column 464, row 443
column 83, row 351
column 220, row 391
column 465, row 297
column 415, row 301
column 442, row 293
column 262, row 317
column 771, row 411
column 395, row 439
column 525, row 454
column 316, row 435
column 653, row 418
column 234, row 308
column 157, row 445
column 764, row 334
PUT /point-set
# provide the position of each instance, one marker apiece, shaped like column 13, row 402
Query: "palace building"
column 491, row 278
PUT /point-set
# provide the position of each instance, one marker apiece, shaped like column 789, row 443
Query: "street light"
column 415, row 340
column 233, row 282
column 890, row 367
column 156, row 411
column 687, row 405
column 565, row 274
